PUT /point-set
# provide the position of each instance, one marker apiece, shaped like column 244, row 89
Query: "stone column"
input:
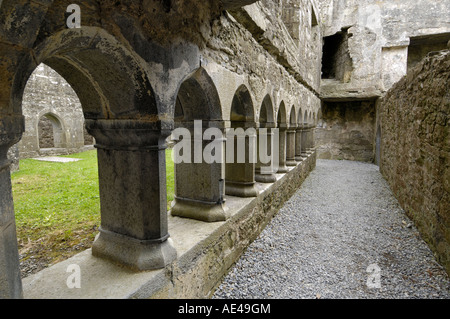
column 240, row 177
column 200, row 182
column 268, row 135
column 311, row 144
column 290, row 146
column 132, row 179
column 282, row 151
column 304, row 140
column 11, row 128
column 298, row 144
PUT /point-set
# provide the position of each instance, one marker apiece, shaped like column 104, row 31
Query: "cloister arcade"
column 133, row 96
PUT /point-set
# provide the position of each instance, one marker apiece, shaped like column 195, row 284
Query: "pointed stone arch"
column 97, row 65
column 282, row 126
column 266, row 114
column 265, row 133
column 198, row 99
column 282, row 114
column 199, row 183
column 121, row 112
column 293, row 117
column 240, row 175
column 242, row 109
column 291, row 138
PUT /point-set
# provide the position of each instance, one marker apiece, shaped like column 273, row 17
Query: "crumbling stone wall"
column 371, row 53
column 45, row 133
column 346, row 131
column 53, row 115
column 129, row 63
column 415, row 148
column 378, row 43
column 337, row 62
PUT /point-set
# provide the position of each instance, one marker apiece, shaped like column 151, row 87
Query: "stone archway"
column 282, row 126
column 240, row 170
column 265, row 133
column 130, row 142
column 291, row 138
column 51, row 132
column 199, row 181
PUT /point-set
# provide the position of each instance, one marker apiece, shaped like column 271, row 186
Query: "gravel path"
column 342, row 235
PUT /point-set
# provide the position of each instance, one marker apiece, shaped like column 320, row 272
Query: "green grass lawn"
column 57, row 205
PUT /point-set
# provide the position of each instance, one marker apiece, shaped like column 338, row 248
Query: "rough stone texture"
column 420, row 46
column 337, row 62
column 10, row 283
column 206, row 252
column 127, row 64
column 378, row 26
column 14, row 157
column 53, row 115
column 415, row 149
column 346, row 131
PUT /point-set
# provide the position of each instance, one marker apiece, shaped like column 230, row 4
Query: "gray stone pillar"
column 305, row 140
column 269, row 135
column 311, row 138
column 132, row 179
column 298, row 144
column 200, row 187
column 290, row 147
column 240, row 177
column 11, row 129
column 282, row 151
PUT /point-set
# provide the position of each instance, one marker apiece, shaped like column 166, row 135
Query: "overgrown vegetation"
column 57, row 207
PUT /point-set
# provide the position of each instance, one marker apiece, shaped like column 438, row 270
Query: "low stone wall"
column 415, row 149
column 198, row 275
column 206, row 251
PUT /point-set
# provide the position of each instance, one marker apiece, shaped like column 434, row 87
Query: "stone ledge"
column 206, row 251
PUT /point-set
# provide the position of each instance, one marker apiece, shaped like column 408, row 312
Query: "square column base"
column 240, row 189
column 133, row 253
column 265, row 178
column 291, row 162
column 283, row 169
column 198, row 210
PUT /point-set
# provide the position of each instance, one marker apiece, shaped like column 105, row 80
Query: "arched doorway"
column 51, row 133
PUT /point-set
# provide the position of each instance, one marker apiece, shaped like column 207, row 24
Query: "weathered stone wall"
column 382, row 38
column 415, row 149
column 45, row 133
column 346, row 131
column 129, row 63
column 53, row 115
column 381, row 32
column 13, row 156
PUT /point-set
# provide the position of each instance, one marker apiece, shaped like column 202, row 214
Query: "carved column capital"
column 127, row 135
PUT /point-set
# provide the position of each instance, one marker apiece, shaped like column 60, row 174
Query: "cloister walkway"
column 342, row 235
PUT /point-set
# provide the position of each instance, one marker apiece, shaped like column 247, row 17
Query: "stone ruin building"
column 54, row 122
column 340, row 79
